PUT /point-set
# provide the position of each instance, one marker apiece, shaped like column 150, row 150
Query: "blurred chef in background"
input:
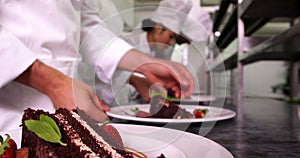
column 153, row 36
column 159, row 33
column 39, row 59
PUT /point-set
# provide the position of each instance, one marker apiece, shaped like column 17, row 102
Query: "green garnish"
column 204, row 111
column 50, row 121
column 4, row 144
column 135, row 110
column 46, row 128
column 105, row 122
column 153, row 94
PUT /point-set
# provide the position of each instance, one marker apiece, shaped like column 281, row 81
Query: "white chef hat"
column 198, row 24
column 172, row 13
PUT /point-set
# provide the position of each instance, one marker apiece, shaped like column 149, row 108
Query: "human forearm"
column 134, row 60
column 42, row 78
column 63, row 91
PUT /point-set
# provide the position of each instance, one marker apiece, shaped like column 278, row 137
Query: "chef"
column 42, row 43
column 153, row 36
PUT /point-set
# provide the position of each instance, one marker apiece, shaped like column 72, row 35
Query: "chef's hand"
column 145, row 87
column 81, row 96
column 172, row 75
column 63, row 91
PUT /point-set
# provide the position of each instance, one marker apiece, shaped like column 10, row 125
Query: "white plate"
column 153, row 141
column 214, row 114
column 196, row 98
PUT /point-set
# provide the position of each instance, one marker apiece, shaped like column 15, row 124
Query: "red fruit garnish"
column 200, row 113
column 8, row 147
column 114, row 133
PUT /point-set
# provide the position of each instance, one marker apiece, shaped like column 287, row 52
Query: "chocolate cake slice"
column 160, row 107
column 83, row 137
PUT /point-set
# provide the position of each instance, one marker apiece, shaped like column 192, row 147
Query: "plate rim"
column 183, row 136
column 231, row 114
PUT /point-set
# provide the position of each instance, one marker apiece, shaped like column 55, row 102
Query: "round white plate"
column 196, row 98
column 214, row 114
column 153, row 141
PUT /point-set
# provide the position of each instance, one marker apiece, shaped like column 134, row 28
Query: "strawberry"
column 114, row 133
column 140, row 113
column 8, row 147
column 200, row 113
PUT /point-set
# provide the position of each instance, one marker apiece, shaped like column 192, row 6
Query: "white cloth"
column 52, row 31
column 172, row 13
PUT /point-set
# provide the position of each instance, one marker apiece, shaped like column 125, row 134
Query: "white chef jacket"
column 138, row 39
column 53, row 31
column 124, row 93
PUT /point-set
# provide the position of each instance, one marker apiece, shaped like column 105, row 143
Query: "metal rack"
column 248, row 17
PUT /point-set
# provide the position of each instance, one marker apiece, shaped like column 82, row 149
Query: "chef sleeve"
column 15, row 57
column 100, row 47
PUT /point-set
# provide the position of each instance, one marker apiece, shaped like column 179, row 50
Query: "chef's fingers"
column 103, row 106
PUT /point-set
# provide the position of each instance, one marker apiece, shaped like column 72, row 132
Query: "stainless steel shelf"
column 228, row 58
column 269, row 8
column 226, row 61
column 285, row 46
column 255, row 14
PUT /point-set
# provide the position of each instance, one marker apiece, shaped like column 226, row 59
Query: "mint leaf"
column 44, row 130
column 50, row 121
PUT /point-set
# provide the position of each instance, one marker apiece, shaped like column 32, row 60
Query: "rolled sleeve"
column 109, row 60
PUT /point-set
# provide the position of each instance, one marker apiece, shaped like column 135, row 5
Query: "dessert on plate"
column 161, row 107
column 68, row 134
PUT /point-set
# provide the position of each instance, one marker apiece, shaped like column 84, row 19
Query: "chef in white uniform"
column 153, row 36
column 40, row 46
